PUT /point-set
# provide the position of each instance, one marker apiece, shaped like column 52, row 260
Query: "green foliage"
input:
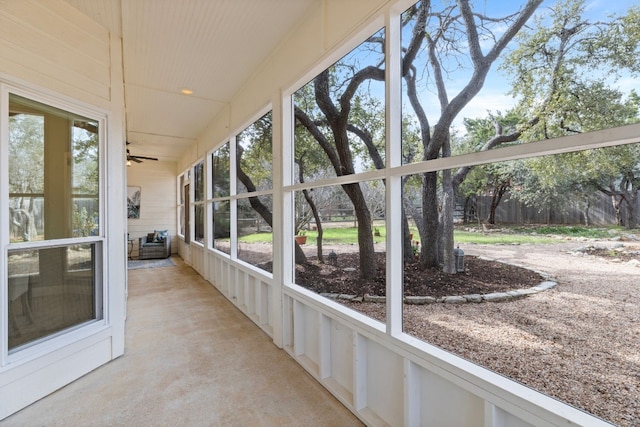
column 480, row 130
column 563, row 66
column 26, row 150
column 83, row 223
column 85, row 149
column 222, row 220
column 221, row 172
column 254, row 151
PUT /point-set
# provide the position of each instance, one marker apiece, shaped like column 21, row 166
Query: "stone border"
column 547, row 284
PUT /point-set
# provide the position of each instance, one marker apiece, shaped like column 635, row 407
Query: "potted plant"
column 301, row 237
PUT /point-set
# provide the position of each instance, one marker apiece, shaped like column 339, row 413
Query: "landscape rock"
column 419, row 300
column 454, row 299
column 374, row 298
column 496, row 296
column 473, row 298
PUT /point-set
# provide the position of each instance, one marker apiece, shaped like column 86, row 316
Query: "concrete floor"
column 191, row 359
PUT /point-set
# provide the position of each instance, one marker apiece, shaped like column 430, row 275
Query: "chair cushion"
column 159, row 236
column 150, row 237
column 153, row 245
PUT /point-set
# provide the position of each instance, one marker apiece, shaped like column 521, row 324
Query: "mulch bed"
column 480, row 277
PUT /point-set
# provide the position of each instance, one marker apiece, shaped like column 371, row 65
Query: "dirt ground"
column 579, row 342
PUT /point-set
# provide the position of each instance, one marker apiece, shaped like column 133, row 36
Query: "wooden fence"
column 512, row 211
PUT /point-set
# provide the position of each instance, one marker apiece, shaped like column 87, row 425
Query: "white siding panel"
column 342, row 17
column 87, row 44
column 342, row 359
column 157, row 182
column 42, row 48
column 17, row 62
column 445, row 404
column 385, row 385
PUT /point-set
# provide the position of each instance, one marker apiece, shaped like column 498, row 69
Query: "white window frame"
column 67, row 336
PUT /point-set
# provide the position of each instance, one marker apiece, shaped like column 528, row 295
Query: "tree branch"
column 313, row 129
column 365, row 137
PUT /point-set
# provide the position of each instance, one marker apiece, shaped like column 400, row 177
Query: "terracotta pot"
column 301, row 240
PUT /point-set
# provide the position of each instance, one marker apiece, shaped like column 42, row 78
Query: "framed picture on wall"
column 133, row 202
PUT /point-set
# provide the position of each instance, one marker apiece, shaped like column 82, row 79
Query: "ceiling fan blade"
column 144, row 157
column 137, row 159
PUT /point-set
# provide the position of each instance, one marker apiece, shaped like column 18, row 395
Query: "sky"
column 493, row 95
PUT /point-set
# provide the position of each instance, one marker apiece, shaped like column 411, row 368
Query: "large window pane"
column 220, row 172
column 554, row 81
column 222, row 226
column 551, row 250
column 26, row 175
column 255, row 237
column 198, row 177
column 198, row 208
column 51, row 197
column 340, row 116
column 340, row 235
column 254, row 157
column 199, row 223
column 51, row 290
column 85, row 179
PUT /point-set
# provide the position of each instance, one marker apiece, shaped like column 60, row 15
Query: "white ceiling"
column 208, row 46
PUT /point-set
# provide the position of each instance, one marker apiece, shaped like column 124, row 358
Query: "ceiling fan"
column 137, row 159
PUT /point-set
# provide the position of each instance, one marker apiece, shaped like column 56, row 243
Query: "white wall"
column 50, row 49
column 157, row 181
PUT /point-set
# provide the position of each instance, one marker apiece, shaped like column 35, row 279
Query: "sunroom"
column 386, row 133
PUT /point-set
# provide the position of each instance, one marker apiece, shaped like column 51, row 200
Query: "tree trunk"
column 632, row 215
column 365, row 235
column 300, row 257
column 587, row 218
column 263, row 210
column 407, row 243
column 448, row 207
column 429, row 252
column 316, row 217
column 491, row 219
column 314, row 210
column 615, row 201
column 498, row 192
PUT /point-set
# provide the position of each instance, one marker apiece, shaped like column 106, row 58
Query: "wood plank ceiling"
column 208, row 46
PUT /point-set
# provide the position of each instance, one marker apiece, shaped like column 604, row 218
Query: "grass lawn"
column 511, row 235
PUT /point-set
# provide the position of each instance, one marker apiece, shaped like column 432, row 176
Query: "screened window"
column 181, row 206
column 54, row 193
column 221, row 189
column 198, row 207
column 53, row 173
column 340, row 130
column 254, row 219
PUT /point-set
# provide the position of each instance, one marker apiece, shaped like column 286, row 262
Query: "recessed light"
column 186, row 91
